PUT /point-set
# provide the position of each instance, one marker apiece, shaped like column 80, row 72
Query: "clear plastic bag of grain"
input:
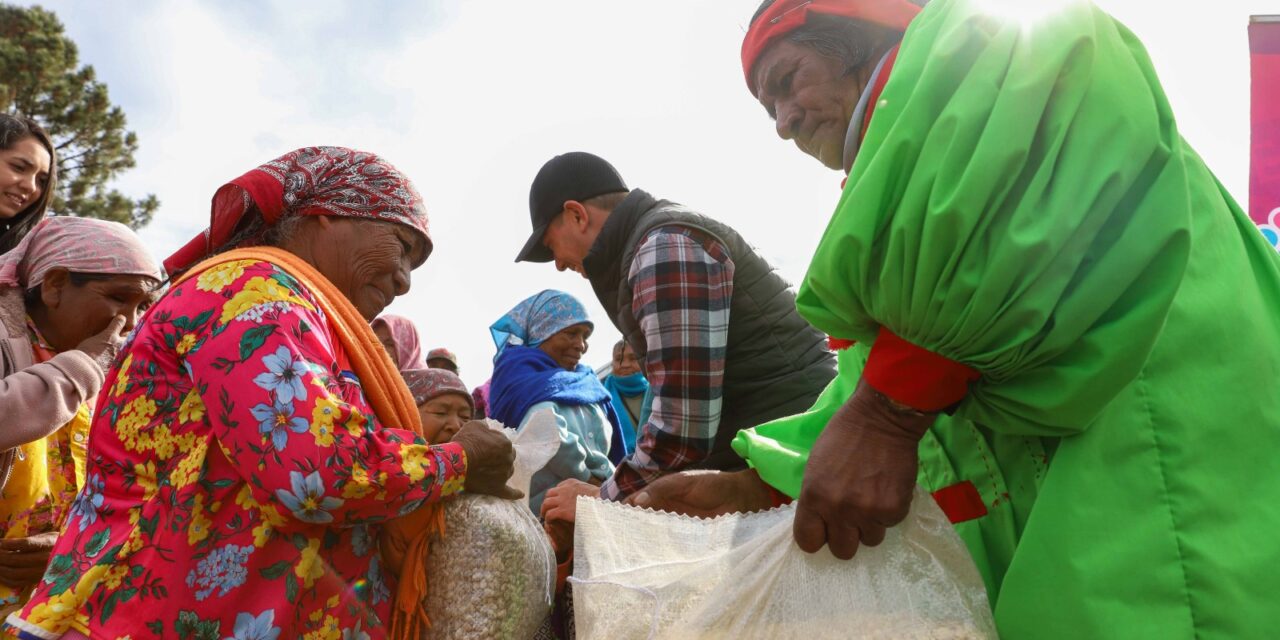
column 492, row 574
column 647, row 574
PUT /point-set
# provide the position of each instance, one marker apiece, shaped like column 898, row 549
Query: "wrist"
column 897, row 407
column 888, row 417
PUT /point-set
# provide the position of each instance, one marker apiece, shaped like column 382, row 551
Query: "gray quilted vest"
column 775, row 363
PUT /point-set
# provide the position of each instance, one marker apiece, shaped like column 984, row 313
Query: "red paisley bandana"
column 312, row 181
column 784, row 16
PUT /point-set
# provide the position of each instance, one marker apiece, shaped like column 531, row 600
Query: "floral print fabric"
column 41, row 489
column 45, row 477
column 237, row 478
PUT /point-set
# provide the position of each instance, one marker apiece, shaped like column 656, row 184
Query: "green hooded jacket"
column 1024, row 204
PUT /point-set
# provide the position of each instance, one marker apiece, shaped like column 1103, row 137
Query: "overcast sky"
column 470, row 98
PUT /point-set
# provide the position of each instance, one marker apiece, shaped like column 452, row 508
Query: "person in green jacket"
column 1061, row 323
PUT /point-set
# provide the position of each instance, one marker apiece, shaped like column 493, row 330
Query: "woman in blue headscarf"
column 540, row 345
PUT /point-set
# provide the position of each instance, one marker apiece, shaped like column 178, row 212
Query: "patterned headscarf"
column 537, row 318
column 784, row 16
column 429, row 384
column 312, row 181
column 79, row 245
column 408, row 353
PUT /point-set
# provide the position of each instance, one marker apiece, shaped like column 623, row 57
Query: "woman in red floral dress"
column 240, row 476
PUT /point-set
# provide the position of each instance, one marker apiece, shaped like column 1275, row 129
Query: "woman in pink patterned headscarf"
column 69, row 291
column 399, row 336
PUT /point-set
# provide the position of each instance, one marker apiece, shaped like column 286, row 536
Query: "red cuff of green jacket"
column 839, row 344
column 916, row 377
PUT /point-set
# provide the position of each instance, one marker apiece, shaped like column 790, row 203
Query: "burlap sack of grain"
column 646, row 574
column 493, row 573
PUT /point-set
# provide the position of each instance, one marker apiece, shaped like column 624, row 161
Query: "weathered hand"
column 560, row 508
column 561, row 501
column 23, row 560
column 860, row 475
column 490, row 460
column 705, row 493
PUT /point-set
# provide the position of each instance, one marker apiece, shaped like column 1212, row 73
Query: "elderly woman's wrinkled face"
column 568, row 345
column 367, row 260
column 24, row 174
column 71, row 313
column 443, row 416
column 810, row 98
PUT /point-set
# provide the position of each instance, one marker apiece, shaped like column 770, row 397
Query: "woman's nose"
column 403, row 279
column 453, row 425
column 131, row 319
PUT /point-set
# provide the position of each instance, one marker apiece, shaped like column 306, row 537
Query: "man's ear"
column 51, row 289
column 577, row 215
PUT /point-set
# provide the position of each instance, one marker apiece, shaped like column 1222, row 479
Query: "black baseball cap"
column 576, row 175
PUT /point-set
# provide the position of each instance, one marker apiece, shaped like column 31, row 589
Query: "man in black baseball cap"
column 713, row 324
column 566, row 184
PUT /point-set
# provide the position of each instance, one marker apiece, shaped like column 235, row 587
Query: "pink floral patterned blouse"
column 236, row 479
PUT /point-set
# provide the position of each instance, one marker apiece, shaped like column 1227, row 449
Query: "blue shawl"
column 627, row 387
column 525, row 376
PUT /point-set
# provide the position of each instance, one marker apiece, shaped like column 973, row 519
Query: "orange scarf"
column 405, row 540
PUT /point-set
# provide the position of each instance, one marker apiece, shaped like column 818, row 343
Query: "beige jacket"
column 36, row 399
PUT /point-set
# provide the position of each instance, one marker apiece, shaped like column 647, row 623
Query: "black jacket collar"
column 603, row 264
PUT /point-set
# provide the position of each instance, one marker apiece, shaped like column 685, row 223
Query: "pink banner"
column 1264, row 165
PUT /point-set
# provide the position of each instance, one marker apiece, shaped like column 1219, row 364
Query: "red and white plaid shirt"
column 682, row 284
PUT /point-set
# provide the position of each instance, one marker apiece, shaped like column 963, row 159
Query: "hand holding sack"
column 859, row 478
column 490, row 460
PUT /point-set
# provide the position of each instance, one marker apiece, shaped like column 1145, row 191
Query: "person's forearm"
column 38, row 400
column 686, row 329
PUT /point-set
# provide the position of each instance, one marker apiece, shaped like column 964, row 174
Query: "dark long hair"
column 14, row 129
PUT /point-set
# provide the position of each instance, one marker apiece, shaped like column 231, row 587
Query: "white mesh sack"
column 492, row 575
column 645, row 574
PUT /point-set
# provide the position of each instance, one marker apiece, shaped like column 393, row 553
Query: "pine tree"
column 40, row 77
